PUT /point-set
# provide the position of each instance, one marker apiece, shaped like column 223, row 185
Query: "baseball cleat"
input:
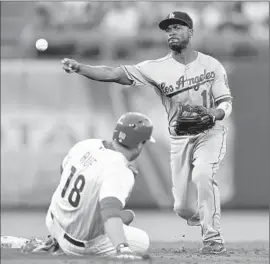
column 212, row 248
column 36, row 246
column 13, row 242
column 127, row 216
column 31, row 245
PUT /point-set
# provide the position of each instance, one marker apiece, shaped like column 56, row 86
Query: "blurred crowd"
column 121, row 29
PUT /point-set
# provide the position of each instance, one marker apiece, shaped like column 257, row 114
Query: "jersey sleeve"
column 118, row 183
column 220, row 87
column 65, row 161
column 139, row 74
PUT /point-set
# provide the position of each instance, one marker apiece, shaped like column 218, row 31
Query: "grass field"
column 172, row 241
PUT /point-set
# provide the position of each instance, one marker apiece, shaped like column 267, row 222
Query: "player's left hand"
column 193, row 120
column 207, row 114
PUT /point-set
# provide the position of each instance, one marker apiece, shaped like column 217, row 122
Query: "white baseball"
column 42, row 44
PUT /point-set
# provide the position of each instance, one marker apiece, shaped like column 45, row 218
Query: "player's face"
column 178, row 36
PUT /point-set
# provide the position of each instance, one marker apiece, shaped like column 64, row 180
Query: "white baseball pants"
column 194, row 163
column 137, row 239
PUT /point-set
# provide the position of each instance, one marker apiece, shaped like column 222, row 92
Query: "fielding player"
column 194, row 90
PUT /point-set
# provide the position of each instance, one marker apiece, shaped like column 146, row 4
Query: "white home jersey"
column 91, row 172
column 201, row 82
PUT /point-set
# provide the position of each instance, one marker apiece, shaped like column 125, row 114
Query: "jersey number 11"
column 205, row 96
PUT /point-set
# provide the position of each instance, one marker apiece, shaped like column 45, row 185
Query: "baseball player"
column 194, row 90
column 86, row 213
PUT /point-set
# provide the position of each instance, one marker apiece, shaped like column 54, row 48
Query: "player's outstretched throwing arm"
column 97, row 73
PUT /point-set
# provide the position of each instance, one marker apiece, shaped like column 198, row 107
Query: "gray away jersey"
column 201, row 82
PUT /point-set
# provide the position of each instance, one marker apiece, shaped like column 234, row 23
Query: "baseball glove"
column 192, row 120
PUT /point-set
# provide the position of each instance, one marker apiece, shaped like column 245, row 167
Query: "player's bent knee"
column 185, row 213
column 142, row 245
column 138, row 240
column 202, row 175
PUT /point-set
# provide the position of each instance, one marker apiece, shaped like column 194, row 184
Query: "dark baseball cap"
column 176, row 17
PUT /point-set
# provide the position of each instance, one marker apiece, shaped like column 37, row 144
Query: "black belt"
column 70, row 239
column 186, row 133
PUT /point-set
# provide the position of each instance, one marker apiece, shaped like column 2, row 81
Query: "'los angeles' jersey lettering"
column 184, row 84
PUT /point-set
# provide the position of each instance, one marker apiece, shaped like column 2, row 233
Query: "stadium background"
column 45, row 111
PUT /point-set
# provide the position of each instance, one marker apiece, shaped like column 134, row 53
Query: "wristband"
column 226, row 107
